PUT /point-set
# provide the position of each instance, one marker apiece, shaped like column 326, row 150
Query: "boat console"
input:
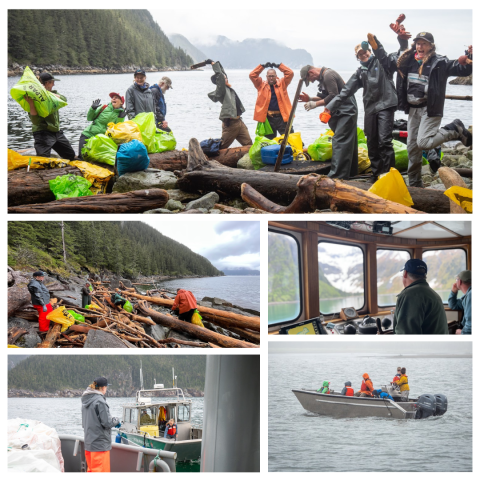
column 362, row 326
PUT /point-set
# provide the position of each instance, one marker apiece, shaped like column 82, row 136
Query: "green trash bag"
column 45, row 102
column 101, row 149
column 148, row 128
column 401, row 155
column 362, row 140
column 255, row 151
column 163, row 142
column 263, row 128
column 78, row 318
column 127, row 306
column 321, row 149
column 67, row 186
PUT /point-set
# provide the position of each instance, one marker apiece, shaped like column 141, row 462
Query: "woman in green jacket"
column 102, row 116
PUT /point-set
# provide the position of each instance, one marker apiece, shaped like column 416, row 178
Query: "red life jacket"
column 364, row 387
column 350, row 392
column 172, row 430
column 396, row 378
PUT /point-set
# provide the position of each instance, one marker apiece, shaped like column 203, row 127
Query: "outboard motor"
column 441, row 404
column 426, row 406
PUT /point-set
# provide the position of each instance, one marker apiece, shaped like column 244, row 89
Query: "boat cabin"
column 152, row 410
column 342, row 277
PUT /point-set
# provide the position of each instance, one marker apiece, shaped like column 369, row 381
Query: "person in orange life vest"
column 398, row 375
column 348, row 389
column 403, row 384
column 366, row 390
column 186, row 304
column 171, row 430
column 40, row 299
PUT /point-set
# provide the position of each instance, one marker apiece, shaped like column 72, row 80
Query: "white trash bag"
column 42, row 440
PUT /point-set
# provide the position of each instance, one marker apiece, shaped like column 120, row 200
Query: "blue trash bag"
column 211, row 146
column 132, row 157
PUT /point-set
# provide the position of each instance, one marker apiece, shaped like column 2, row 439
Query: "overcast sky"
column 328, row 35
column 225, row 244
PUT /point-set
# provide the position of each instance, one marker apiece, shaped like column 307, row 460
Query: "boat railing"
column 152, row 392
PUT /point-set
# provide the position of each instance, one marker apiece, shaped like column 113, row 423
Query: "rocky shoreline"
column 15, row 69
column 73, row 393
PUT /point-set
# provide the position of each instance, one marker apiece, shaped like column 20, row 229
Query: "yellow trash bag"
column 13, row 346
column 16, row 160
column 461, row 196
column 363, row 161
column 97, row 176
column 391, row 186
column 197, row 319
column 295, row 141
column 124, row 132
column 62, row 316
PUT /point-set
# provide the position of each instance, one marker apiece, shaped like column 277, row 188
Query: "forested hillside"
column 125, row 248
column 49, row 373
column 97, row 38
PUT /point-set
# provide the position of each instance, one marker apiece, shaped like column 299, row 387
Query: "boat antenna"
column 141, row 376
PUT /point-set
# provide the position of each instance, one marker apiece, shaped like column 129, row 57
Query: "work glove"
column 122, row 114
column 467, row 58
column 304, row 97
column 275, row 65
column 310, row 105
column 44, row 308
column 399, row 29
column 119, row 425
column 209, row 61
column 372, row 40
column 365, row 45
column 96, row 104
column 325, row 116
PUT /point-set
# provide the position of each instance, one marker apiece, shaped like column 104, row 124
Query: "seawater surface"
column 190, row 113
column 240, row 290
column 299, row 441
column 65, row 414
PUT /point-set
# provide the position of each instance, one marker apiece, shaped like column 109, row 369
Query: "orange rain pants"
column 98, row 461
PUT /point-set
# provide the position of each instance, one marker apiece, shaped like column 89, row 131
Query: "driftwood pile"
column 129, row 328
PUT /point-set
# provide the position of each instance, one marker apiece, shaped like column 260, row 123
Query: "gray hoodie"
column 39, row 292
column 96, row 421
column 139, row 100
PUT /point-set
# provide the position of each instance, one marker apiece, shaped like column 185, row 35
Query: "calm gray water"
column 190, row 112
column 301, row 441
column 240, row 290
column 65, row 415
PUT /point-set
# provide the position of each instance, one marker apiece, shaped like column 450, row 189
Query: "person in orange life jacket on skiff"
column 366, row 389
column 171, row 430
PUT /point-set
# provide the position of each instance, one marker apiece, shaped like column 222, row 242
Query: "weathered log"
column 316, row 192
column 33, row 187
column 451, row 178
column 464, row 172
column 253, row 337
column 280, row 188
column 301, row 168
column 51, row 337
column 237, row 320
column 183, row 342
column 137, row 201
column 201, row 333
column 14, row 333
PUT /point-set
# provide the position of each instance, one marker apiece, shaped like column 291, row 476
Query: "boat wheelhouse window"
column 283, row 278
column 148, row 416
column 183, row 413
column 341, row 277
column 389, row 276
column 133, row 415
column 443, row 267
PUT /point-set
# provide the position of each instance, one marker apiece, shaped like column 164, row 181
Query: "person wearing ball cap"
column 421, row 86
column 375, row 76
column 97, row 424
column 139, row 98
column 463, row 282
column 419, row 309
column 101, row 117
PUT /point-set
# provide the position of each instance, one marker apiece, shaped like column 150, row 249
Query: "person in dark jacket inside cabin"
column 375, row 76
column 46, row 130
column 419, row 309
column 233, row 127
column 40, row 299
column 421, row 85
column 159, row 90
column 97, row 424
column 139, row 97
column 101, row 117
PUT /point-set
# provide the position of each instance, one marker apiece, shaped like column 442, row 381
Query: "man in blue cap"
column 419, row 308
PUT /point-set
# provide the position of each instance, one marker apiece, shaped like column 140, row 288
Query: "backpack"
column 211, row 146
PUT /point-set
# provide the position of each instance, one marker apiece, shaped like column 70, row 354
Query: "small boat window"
column 133, row 416
column 443, row 266
column 183, row 413
column 283, row 278
column 389, row 276
column 148, row 416
column 341, row 277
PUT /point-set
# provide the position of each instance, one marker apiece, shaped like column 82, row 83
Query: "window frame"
column 431, row 249
column 376, row 273
column 362, row 248
column 300, row 274
column 189, row 410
